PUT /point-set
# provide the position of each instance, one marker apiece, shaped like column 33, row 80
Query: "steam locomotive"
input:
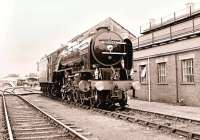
column 94, row 71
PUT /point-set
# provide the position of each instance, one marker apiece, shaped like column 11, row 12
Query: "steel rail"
column 132, row 119
column 164, row 115
column 156, row 125
column 10, row 132
column 67, row 129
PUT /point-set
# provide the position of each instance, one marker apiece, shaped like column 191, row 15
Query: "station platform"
column 168, row 109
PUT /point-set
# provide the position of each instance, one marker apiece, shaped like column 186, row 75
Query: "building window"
column 187, row 71
column 143, row 75
column 162, row 72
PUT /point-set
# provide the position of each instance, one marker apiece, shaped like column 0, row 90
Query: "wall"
column 190, row 93
column 163, row 92
column 159, row 92
column 142, row 93
column 168, row 48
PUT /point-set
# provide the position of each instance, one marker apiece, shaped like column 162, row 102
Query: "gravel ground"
column 103, row 127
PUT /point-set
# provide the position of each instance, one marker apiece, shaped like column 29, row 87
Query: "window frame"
column 162, row 73
column 143, row 80
column 187, row 78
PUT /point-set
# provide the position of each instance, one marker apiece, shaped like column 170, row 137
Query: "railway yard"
column 32, row 115
column 108, row 82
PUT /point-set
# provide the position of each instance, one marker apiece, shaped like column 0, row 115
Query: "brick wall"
column 164, row 92
column 142, row 93
column 190, row 93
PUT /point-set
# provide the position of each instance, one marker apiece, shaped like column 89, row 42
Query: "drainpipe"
column 149, row 81
column 177, row 94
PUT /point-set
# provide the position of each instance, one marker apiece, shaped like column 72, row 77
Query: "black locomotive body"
column 95, row 70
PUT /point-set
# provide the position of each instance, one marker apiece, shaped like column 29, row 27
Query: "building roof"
column 108, row 22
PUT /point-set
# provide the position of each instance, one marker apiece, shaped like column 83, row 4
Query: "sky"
column 29, row 29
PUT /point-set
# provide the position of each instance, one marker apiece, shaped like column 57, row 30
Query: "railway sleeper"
column 28, row 117
column 29, row 123
column 39, row 129
column 31, row 126
column 196, row 136
column 38, row 133
column 24, row 121
column 51, row 137
column 183, row 133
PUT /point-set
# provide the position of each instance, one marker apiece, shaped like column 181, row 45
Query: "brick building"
column 167, row 59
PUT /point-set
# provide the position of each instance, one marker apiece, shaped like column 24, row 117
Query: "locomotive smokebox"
column 107, row 48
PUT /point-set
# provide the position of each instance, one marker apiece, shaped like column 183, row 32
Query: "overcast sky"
column 29, row 29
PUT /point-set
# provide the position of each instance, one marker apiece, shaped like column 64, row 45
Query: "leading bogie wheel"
column 82, row 98
column 63, row 95
column 96, row 98
column 53, row 92
column 123, row 101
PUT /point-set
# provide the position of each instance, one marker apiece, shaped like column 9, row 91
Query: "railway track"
column 167, row 123
column 24, row 121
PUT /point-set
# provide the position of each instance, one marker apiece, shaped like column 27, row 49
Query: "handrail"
column 172, row 17
column 169, row 35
